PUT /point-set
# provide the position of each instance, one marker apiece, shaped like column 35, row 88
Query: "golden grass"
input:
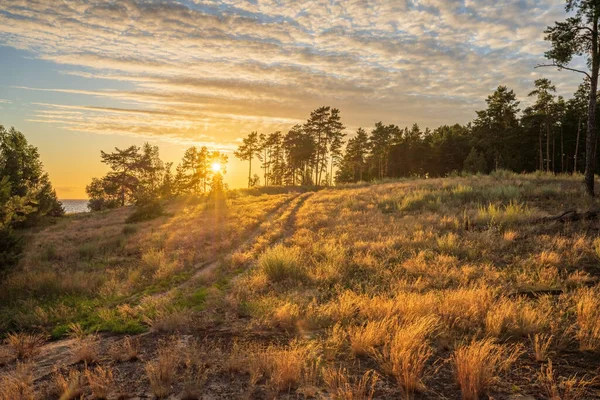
column 561, row 388
column 126, row 350
column 100, row 380
column 405, row 354
column 25, row 345
column 281, row 264
column 69, row 386
column 588, row 318
column 17, row 384
column 542, row 346
column 479, row 364
column 341, row 386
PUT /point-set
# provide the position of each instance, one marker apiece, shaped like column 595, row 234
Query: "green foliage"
column 475, row 162
column 146, row 212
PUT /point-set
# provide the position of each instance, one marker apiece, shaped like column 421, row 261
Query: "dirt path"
column 277, row 225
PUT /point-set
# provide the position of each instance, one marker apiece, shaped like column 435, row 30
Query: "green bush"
column 146, row 212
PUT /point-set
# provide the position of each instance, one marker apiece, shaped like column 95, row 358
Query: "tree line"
column 545, row 136
column 26, row 194
column 137, row 175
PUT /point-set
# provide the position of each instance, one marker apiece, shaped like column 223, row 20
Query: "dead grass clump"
column 18, row 384
column 86, row 349
column 126, row 350
column 365, row 338
column 515, row 318
column 283, row 368
column 101, row 381
column 542, row 345
column 406, row 352
column 158, row 264
column 162, row 370
column 282, row 264
column 25, row 345
column 343, row 387
column 68, row 387
column 171, row 321
column 588, row 318
column 561, row 388
column 478, row 365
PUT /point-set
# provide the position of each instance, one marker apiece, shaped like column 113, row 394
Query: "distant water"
column 74, row 206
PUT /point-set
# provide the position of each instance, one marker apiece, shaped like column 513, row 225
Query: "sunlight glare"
column 216, row 167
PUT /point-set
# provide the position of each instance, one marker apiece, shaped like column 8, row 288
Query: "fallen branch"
column 572, row 216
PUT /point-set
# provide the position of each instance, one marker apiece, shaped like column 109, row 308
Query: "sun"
column 216, row 167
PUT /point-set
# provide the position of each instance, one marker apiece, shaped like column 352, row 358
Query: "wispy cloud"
column 215, row 69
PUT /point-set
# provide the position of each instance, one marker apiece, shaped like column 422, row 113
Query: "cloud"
column 218, row 69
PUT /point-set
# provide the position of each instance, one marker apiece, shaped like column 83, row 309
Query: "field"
column 430, row 289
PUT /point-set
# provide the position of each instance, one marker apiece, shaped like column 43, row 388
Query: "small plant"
column 161, row 371
column 68, row 387
column 572, row 388
column 588, row 319
column 146, row 212
column 342, row 387
column 281, row 264
column 541, row 344
column 86, row 349
column 25, row 345
column 126, row 350
column 18, row 384
column 365, row 338
column 100, row 380
column 405, row 354
column 478, row 365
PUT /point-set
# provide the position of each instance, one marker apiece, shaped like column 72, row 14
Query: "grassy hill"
column 441, row 288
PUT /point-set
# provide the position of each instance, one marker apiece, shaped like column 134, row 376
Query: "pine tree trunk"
column 547, row 146
column 541, row 152
column 577, row 145
column 590, row 140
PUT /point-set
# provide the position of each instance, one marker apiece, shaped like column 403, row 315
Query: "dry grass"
column 161, row 372
column 561, row 388
column 405, row 354
column 479, row 364
column 341, row 386
column 542, row 346
column 365, row 338
column 101, row 381
column 25, row 345
column 282, row 264
column 588, row 319
column 68, row 387
column 17, row 384
column 126, row 350
column 86, row 349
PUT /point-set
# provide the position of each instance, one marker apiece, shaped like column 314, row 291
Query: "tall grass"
column 479, row 364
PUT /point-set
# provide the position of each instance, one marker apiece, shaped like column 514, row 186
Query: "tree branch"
column 563, row 67
column 585, row 27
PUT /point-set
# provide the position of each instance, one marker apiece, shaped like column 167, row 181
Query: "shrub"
column 281, row 264
column 146, row 212
column 479, row 363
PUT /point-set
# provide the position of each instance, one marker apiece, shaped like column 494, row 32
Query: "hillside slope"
column 441, row 288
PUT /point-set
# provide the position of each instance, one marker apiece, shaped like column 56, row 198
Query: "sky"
column 80, row 76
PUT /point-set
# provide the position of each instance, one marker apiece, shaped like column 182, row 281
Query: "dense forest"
column 547, row 136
